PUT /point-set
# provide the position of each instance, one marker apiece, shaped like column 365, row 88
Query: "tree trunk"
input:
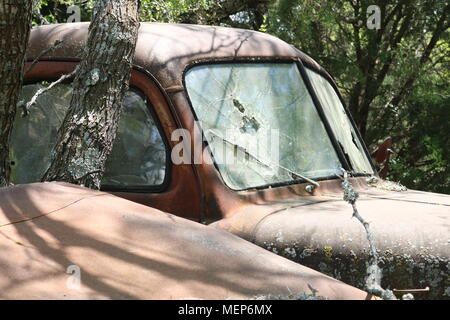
column 86, row 136
column 15, row 26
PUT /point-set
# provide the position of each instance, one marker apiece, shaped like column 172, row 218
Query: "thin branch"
column 88, row 174
column 35, row 3
column 38, row 14
column 55, row 45
column 27, row 106
column 374, row 272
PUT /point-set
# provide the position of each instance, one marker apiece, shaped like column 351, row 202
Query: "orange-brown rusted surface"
column 382, row 152
column 382, row 156
column 125, row 250
column 410, row 229
column 165, row 50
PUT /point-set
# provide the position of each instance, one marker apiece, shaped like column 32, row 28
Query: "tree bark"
column 86, row 136
column 15, row 26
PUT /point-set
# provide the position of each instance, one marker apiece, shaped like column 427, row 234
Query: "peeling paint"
column 385, row 185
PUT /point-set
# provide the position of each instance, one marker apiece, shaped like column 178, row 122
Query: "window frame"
column 167, row 174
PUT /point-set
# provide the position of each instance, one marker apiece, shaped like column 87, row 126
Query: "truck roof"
column 165, row 50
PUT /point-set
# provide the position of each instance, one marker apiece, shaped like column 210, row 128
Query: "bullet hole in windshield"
column 251, row 125
column 238, row 105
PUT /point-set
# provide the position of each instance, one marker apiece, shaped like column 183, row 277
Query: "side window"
column 138, row 158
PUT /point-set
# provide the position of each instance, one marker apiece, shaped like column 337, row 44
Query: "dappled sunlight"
column 127, row 251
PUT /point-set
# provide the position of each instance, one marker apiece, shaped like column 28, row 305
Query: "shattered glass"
column 138, row 157
column 340, row 123
column 260, row 123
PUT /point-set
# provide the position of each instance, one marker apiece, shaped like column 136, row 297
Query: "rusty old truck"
column 244, row 132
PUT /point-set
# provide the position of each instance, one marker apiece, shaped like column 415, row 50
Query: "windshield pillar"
column 340, row 152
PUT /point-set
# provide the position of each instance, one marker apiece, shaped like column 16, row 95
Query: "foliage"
column 423, row 135
column 173, row 11
column 236, row 13
column 55, row 11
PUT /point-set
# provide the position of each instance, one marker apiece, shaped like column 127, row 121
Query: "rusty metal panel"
column 165, row 50
column 123, row 250
column 410, row 228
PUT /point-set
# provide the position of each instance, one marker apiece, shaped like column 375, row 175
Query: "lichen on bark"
column 86, row 136
column 374, row 272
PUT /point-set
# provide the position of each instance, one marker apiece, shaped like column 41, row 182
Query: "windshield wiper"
column 270, row 165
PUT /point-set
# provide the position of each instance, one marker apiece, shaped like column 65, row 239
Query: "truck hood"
column 411, row 231
column 59, row 241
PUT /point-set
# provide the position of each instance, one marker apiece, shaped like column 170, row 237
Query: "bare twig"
column 35, row 3
column 374, row 272
column 55, row 45
column 87, row 174
column 38, row 14
column 27, row 106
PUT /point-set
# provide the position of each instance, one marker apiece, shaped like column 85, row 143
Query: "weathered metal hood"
column 124, row 250
column 411, row 231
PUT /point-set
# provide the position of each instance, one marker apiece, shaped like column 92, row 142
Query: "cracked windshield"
column 260, row 123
